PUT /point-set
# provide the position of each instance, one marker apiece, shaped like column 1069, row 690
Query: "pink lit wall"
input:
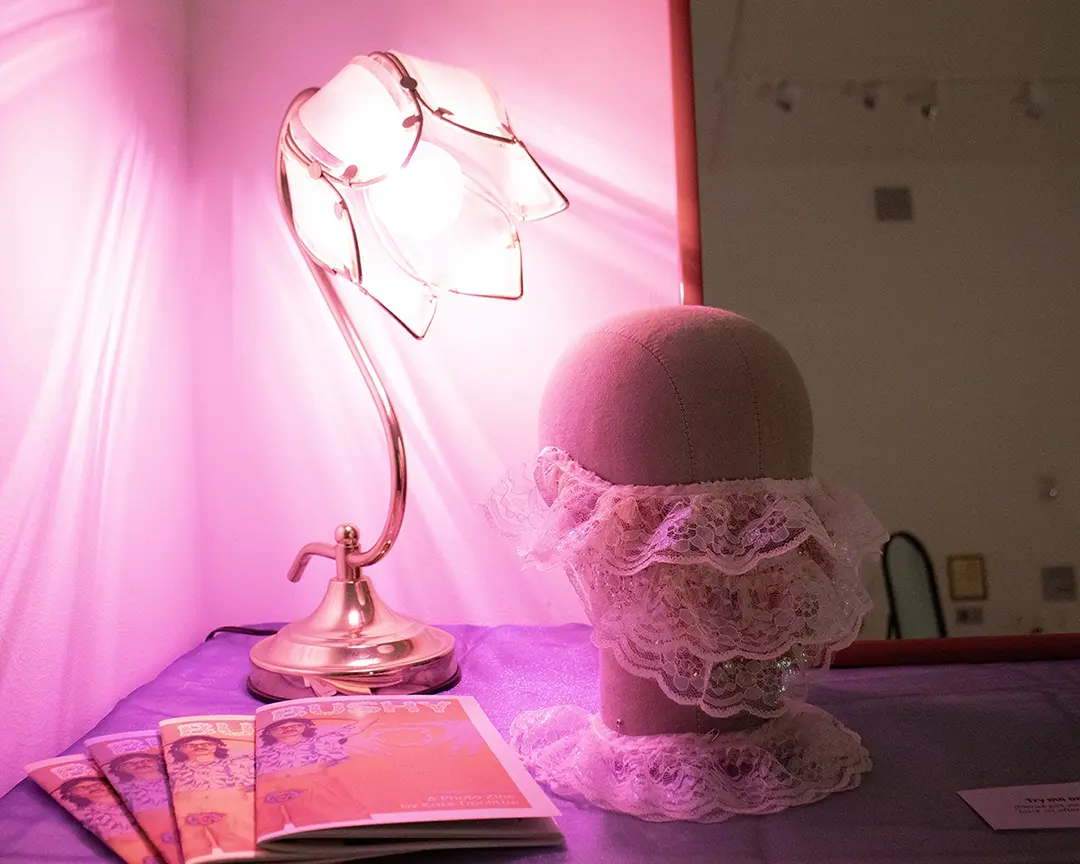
column 99, row 587
column 177, row 412
column 289, row 444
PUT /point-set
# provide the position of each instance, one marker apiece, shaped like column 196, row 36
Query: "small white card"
column 1009, row 808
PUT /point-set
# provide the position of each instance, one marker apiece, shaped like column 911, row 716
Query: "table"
column 932, row 730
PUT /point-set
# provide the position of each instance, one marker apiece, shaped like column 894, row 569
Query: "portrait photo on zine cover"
column 330, row 764
column 77, row 785
column 135, row 766
column 211, row 766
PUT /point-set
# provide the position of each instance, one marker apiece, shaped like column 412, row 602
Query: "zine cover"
column 363, row 761
column 133, row 764
column 332, row 779
column 211, row 767
column 79, row 787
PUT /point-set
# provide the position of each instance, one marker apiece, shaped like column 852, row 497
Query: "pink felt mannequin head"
column 675, row 396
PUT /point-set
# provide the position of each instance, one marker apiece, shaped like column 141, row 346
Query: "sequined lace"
column 727, row 594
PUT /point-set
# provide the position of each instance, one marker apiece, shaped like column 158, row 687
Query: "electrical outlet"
column 969, row 615
column 1059, row 583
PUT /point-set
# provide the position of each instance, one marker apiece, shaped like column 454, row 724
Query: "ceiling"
column 980, row 52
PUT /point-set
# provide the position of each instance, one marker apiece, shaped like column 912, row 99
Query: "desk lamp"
column 414, row 163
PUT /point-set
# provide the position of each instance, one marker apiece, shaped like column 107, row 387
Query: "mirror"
column 893, row 190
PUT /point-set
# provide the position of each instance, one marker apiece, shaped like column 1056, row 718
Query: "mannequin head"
column 675, row 396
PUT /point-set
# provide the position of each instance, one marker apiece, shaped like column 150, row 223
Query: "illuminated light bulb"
column 424, row 197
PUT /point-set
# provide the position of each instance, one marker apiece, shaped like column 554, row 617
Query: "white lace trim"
column 796, row 759
column 560, row 512
column 727, row 594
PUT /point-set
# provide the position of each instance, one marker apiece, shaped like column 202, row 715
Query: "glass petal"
column 321, row 218
column 357, row 125
column 503, row 169
column 409, row 299
column 528, row 186
column 478, row 253
column 459, row 96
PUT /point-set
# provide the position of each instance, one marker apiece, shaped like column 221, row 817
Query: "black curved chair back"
column 914, row 605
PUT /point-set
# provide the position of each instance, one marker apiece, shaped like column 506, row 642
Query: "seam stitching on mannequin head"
column 753, row 397
column 675, row 387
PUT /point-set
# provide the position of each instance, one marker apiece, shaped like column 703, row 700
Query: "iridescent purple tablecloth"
column 932, row 730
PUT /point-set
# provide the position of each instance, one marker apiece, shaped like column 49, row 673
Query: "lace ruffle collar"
column 727, row 594
column 797, row 759
column 559, row 512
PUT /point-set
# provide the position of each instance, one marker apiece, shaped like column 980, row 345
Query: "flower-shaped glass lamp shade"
column 415, row 160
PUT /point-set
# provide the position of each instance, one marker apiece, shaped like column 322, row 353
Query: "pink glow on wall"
column 98, row 588
column 588, row 87
column 178, row 413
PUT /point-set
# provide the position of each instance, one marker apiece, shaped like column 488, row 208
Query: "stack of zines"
column 321, row 780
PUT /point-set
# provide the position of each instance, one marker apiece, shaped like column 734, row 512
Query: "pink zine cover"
column 362, row 761
column 77, row 785
column 212, row 776
column 133, row 764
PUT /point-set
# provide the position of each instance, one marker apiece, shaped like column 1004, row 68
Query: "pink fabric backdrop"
column 289, row 443
column 100, row 585
column 178, row 413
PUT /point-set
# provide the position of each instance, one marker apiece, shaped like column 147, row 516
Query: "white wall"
column 941, row 355
column 98, row 587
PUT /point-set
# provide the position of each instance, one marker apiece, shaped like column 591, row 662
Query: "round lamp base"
column 434, row 676
column 353, row 644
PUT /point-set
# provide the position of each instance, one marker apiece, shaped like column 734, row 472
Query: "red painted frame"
column 686, row 161
column 963, row 649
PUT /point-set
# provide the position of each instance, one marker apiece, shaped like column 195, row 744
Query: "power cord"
column 246, row 631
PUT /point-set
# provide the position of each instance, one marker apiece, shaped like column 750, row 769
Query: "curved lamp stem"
column 395, row 442
column 391, row 427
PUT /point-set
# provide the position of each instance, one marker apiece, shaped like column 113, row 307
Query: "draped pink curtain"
column 99, row 585
column 588, row 86
column 178, row 411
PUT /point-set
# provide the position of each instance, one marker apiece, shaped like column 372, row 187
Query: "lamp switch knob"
column 347, row 535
